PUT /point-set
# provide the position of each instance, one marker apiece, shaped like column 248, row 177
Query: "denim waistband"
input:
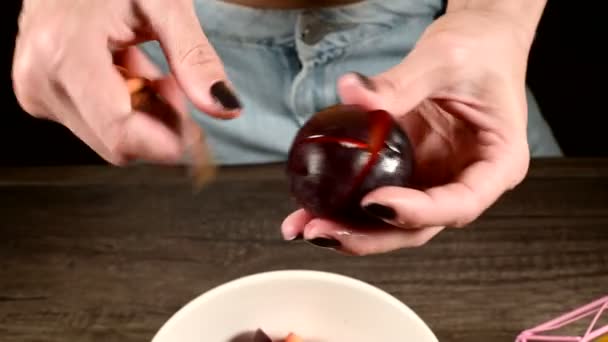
column 237, row 23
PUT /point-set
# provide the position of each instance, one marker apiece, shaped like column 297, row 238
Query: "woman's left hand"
column 460, row 96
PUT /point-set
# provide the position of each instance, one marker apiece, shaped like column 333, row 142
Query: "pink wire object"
column 593, row 333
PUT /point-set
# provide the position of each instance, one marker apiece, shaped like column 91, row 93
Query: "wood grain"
column 109, row 254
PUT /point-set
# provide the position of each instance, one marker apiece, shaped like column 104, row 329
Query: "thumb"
column 195, row 64
column 399, row 89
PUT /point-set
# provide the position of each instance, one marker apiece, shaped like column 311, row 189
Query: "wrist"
column 524, row 14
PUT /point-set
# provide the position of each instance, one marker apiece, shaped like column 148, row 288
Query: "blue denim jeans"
column 284, row 65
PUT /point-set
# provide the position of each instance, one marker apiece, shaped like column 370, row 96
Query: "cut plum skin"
column 340, row 155
column 261, row 336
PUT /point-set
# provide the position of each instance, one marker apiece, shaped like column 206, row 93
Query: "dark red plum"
column 260, row 336
column 341, row 154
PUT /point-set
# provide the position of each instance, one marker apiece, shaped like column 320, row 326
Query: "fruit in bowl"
column 261, row 336
column 313, row 306
column 342, row 153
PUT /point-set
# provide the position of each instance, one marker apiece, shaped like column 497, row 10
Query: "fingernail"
column 297, row 237
column 225, row 96
column 325, row 242
column 365, row 81
column 381, row 211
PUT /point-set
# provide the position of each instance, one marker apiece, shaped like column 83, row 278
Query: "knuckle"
column 115, row 148
column 36, row 56
column 25, row 90
column 519, row 161
column 22, row 74
column 117, row 160
column 456, row 49
column 112, row 153
column 456, row 56
column 520, row 176
column 113, row 137
column 44, row 42
column 198, row 55
column 521, row 168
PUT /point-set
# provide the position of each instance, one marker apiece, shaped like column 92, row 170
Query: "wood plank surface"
column 109, row 254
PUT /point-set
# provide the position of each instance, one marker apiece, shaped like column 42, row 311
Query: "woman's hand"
column 460, row 95
column 63, row 70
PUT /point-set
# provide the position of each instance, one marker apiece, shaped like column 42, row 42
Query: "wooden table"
column 108, row 254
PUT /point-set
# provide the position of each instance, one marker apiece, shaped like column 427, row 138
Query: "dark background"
column 566, row 72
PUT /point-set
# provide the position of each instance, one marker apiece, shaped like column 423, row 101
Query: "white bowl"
column 317, row 306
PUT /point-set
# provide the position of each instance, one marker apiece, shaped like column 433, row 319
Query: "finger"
column 97, row 93
column 40, row 91
column 293, row 225
column 68, row 116
column 401, row 88
column 374, row 240
column 455, row 204
column 169, row 89
column 194, row 143
column 147, row 137
column 159, row 101
column 196, row 152
column 193, row 60
column 134, row 65
column 100, row 95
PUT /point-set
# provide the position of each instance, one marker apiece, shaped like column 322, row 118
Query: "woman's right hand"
column 64, row 70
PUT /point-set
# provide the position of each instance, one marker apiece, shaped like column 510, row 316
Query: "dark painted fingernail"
column 225, row 96
column 325, row 242
column 365, row 81
column 381, row 211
